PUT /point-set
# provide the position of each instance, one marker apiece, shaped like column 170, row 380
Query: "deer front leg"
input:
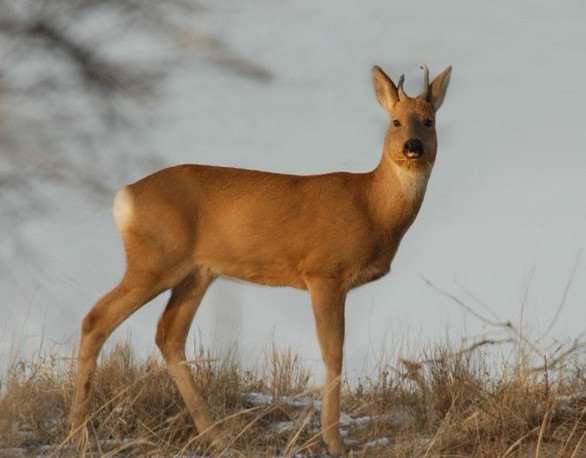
column 328, row 298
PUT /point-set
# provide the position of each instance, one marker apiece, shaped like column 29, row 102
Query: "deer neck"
column 398, row 189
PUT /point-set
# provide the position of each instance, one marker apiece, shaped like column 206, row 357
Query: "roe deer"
column 184, row 226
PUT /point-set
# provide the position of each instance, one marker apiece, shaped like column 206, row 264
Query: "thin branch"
column 96, row 70
column 471, row 348
column 466, row 307
column 508, row 325
column 483, row 304
column 563, row 299
column 553, row 363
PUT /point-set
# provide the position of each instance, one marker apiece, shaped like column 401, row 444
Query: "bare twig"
column 466, row 307
column 552, row 363
column 507, row 325
column 563, row 299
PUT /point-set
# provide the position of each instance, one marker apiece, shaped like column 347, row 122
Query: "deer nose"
column 413, row 148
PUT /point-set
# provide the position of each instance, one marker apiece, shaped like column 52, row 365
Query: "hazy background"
column 285, row 86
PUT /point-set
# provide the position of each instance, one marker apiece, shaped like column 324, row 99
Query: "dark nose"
column 413, row 148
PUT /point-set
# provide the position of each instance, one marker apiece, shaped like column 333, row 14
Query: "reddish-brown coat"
column 186, row 225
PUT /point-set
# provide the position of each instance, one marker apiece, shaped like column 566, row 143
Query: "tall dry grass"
column 447, row 404
column 451, row 401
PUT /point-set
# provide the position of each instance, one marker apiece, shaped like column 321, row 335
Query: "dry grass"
column 446, row 404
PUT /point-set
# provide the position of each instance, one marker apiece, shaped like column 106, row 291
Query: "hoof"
column 78, row 436
column 217, row 439
column 335, row 447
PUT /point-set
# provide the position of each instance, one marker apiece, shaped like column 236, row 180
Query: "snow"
column 296, row 401
column 398, row 417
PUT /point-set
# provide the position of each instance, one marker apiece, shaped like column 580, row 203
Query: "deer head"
column 411, row 139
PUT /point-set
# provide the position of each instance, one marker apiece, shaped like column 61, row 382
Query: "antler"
column 425, row 91
column 402, row 95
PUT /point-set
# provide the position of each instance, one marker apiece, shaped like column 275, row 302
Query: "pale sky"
column 504, row 218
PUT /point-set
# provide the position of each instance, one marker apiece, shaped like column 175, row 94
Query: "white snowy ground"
column 505, row 211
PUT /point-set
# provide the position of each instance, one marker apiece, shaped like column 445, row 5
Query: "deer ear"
column 385, row 89
column 438, row 88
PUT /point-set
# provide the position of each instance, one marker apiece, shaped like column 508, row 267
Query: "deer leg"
column 171, row 336
column 111, row 310
column 328, row 298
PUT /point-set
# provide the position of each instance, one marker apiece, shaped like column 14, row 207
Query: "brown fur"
column 186, row 225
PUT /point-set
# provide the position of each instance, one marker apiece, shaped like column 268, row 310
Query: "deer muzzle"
column 413, row 148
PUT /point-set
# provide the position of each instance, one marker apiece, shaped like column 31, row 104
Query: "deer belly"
column 256, row 263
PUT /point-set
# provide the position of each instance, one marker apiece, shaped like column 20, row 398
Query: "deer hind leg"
column 172, row 331
column 328, row 298
column 111, row 310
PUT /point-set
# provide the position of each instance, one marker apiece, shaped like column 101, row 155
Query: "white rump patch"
column 122, row 209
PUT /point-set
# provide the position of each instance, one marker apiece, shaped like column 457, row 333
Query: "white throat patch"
column 413, row 180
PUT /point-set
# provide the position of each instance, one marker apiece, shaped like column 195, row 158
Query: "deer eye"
column 428, row 123
column 396, row 123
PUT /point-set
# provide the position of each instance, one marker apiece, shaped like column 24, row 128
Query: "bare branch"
column 564, row 297
column 553, row 362
column 458, row 301
column 508, row 325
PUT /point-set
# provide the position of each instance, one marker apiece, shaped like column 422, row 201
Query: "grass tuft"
column 447, row 403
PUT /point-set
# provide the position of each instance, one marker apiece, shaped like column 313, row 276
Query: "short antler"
column 425, row 93
column 402, row 95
